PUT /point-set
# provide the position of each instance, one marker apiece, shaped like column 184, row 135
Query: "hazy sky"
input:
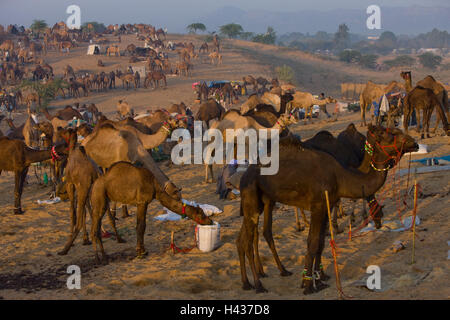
column 170, row 13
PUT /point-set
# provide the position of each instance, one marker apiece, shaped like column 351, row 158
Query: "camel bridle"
column 369, row 149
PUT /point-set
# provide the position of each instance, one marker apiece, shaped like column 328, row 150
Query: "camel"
column 372, row 93
column 177, row 108
column 68, row 72
column 306, row 101
column 351, row 90
column 203, row 48
column 124, row 109
column 202, row 91
column 113, row 51
column 184, row 67
column 155, row 120
column 250, row 80
column 128, row 79
column 438, row 89
column 348, row 150
column 132, row 184
column 423, row 99
column 155, row 77
column 80, row 174
column 310, row 173
column 17, row 157
column 107, row 145
column 233, row 120
column 216, row 58
column 208, row 111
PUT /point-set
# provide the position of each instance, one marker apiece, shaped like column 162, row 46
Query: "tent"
column 92, row 49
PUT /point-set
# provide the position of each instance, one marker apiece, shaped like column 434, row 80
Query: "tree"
column 38, row 26
column 267, row 38
column 45, row 91
column 193, row 27
column 285, row 73
column 231, row 30
column 350, row 56
column 400, row 61
column 368, row 61
column 430, row 60
column 98, row 27
column 342, row 37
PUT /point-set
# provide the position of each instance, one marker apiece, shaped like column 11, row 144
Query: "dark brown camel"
column 133, row 184
column 209, row 110
column 423, row 99
column 81, row 172
column 310, row 173
column 154, row 77
column 17, row 157
column 202, row 91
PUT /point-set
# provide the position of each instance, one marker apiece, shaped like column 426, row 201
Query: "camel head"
column 387, row 146
column 330, row 100
column 286, row 119
column 46, row 130
column 406, row 75
column 66, row 138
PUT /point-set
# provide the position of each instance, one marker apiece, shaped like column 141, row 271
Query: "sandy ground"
column 31, row 269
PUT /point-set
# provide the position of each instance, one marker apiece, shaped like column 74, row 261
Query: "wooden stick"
column 336, row 268
column 414, row 222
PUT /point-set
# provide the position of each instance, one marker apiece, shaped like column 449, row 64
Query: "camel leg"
column 18, row 189
column 297, row 221
column 70, row 188
column 97, row 215
column 363, row 115
column 140, row 230
column 240, row 242
column 319, row 274
column 259, row 266
column 125, row 211
column 251, row 227
column 318, row 215
column 428, row 119
column 112, row 222
column 267, row 231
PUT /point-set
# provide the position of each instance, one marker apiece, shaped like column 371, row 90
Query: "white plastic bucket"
column 208, row 236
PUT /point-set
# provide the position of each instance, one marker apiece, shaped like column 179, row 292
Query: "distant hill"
column 400, row 20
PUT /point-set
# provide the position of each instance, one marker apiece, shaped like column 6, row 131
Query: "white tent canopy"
column 91, row 49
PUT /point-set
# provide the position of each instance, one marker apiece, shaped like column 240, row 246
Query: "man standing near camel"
column 323, row 107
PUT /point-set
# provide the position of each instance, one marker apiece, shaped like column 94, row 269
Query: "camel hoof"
column 261, row 274
column 300, row 228
column 285, row 273
column 320, row 285
column 141, row 254
column 324, row 276
column 247, row 286
column 308, row 287
column 86, row 242
column 260, row 289
column 19, row 211
column 121, row 240
column 62, row 253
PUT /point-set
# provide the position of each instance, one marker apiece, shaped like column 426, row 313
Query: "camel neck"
column 150, row 141
column 366, row 180
column 33, row 156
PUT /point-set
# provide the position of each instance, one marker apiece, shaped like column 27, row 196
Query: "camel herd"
column 99, row 163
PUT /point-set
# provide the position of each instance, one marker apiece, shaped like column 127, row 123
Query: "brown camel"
column 177, row 108
column 372, row 93
column 208, row 111
column 107, row 145
column 128, row 80
column 310, row 173
column 251, row 81
column 133, row 184
column 232, row 119
column 423, row 99
column 155, row 120
column 17, row 157
column 306, row 101
column 124, row 109
column 438, row 89
column 216, row 58
column 155, row 77
column 80, row 174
